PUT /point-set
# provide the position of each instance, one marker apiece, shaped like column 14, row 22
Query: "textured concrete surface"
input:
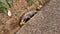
column 46, row 21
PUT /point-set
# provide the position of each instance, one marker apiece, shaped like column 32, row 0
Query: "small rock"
column 9, row 13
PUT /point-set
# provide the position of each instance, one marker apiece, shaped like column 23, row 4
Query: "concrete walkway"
column 46, row 21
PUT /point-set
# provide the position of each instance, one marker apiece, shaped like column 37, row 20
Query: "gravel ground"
column 46, row 21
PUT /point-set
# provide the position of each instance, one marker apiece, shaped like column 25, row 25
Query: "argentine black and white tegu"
column 27, row 16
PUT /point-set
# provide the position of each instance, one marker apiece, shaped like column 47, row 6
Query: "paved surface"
column 46, row 21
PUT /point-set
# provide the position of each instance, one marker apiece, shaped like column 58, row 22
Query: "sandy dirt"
column 9, row 25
